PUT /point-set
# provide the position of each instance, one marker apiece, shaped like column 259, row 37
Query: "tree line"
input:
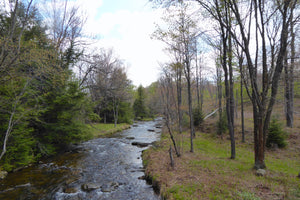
column 254, row 42
column 51, row 85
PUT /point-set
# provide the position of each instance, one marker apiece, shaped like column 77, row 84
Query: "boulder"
column 260, row 172
column 114, row 185
column 130, row 138
column 87, row 187
column 70, row 190
column 3, row 174
column 109, row 187
column 151, row 130
column 106, row 188
column 140, row 144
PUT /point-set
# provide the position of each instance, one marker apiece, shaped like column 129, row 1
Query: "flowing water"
column 103, row 168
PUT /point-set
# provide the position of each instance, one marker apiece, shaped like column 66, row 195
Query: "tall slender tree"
column 180, row 38
column 289, row 78
column 259, row 14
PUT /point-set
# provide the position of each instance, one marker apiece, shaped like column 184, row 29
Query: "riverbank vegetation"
column 52, row 88
column 209, row 173
column 247, row 111
column 100, row 129
column 224, row 123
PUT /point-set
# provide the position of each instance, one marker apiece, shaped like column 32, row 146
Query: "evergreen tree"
column 139, row 107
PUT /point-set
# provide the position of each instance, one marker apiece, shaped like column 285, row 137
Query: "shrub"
column 93, row 117
column 198, row 117
column 222, row 123
column 276, row 136
column 185, row 120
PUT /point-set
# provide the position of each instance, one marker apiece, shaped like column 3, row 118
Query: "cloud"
column 128, row 32
column 125, row 27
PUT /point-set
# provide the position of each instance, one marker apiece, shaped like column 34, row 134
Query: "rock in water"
column 112, row 186
column 3, row 174
column 70, row 190
column 140, row 144
column 261, row 172
column 106, row 188
column 89, row 187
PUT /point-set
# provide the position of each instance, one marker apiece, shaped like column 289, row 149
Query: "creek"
column 102, row 168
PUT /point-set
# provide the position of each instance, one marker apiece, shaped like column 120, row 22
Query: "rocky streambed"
column 102, row 168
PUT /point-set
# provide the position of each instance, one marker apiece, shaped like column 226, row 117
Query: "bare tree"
column 221, row 13
column 108, row 83
column 169, row 105
column 180, row 37
column 119, row 89
column 262, row 17
column 241, row 68
column 259, row 14
column 11, row 39
column 65, row 23
column 289, row 78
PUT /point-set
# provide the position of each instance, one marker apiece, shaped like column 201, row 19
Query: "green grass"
column 247, row 196
column 100, row 129
column 184, row 192
column 146, row 119
column 227, row 178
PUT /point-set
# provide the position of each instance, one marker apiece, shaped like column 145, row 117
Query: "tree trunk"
column 219, row 97
column 167, row 101
column 172, row 137
column 7, row 133
column 242, row 101
column 179, row 96
column 197, row 81
column 171, row 157
column 231, row 96
column 289, row 82
column 192, row 131
column 259, row 153
column 260, row 144
column 115, row 111
column 236, row 103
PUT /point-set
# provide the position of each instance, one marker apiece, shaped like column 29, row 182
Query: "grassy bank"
column 100, row 129
column 208, row 173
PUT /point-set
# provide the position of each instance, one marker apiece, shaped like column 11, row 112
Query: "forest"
column 233, row 78
column 51, row 86
column 249, row 104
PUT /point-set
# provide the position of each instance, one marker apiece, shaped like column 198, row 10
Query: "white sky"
column 126, row 26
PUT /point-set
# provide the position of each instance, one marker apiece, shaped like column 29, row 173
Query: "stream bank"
column 102, row 168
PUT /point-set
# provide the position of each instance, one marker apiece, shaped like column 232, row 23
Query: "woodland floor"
column 209, row 173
